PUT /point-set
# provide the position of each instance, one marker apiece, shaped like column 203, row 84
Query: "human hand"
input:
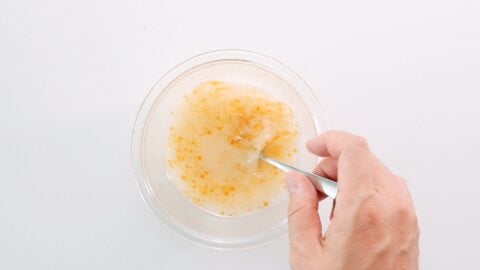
column 373, row 223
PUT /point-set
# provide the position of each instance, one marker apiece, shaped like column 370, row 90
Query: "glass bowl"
column 149, row 141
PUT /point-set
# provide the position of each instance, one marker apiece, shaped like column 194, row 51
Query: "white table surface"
column 404, row 74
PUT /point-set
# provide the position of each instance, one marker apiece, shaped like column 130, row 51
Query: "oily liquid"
column 217, row 136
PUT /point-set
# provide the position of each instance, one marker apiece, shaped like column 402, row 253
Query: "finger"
column 333, row 143
column 354, row 162
column 304, row 226
column 327, row 168
column 356, row 189
column 355, row 172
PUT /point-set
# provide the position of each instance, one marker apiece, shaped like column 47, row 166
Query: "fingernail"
column 291, row 183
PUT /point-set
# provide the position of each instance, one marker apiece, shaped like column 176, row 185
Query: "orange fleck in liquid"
column 217, row 136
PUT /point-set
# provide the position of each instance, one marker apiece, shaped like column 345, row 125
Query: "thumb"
column 304, row 226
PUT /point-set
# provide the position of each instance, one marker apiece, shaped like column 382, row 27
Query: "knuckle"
column 402, row 211
column 356, row 145
column 405, row 213
column 360, row 142
column 371, row 211
column 295, row 212
column 372, row 216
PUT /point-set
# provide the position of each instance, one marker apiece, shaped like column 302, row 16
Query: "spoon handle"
column 325, row 185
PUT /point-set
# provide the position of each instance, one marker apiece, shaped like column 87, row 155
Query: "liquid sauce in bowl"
column 217, row 136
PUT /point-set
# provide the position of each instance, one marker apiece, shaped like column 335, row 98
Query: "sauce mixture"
column 217, row 136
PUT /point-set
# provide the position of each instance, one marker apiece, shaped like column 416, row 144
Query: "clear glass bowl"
column 149, row 141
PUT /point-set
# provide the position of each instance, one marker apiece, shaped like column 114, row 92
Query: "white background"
column 404, row 74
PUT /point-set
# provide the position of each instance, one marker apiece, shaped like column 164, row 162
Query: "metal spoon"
column 325, row 185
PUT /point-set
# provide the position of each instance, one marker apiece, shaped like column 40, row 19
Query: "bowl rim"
column 158, row 90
